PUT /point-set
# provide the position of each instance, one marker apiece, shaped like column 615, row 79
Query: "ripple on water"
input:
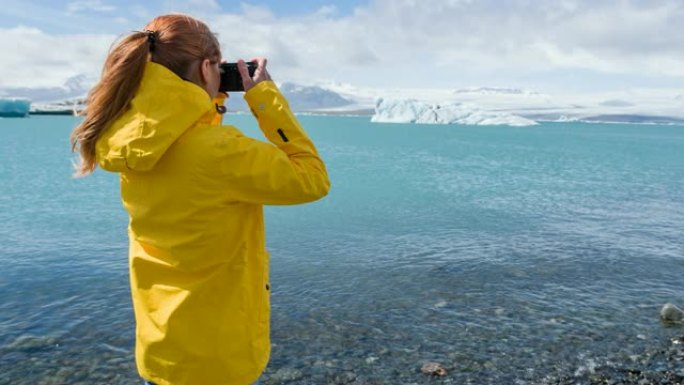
column 538, row 255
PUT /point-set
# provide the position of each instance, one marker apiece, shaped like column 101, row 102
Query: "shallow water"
column 509, row 255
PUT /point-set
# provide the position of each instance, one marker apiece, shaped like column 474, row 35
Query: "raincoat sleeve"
column 286, row 171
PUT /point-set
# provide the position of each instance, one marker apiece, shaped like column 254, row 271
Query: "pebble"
column 286, row 374
column 370, row 360
column 345, row 378
column 434, row 368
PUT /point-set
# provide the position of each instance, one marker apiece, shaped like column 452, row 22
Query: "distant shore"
column 57, row 112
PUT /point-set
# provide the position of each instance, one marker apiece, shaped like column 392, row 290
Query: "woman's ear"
column 205, row 71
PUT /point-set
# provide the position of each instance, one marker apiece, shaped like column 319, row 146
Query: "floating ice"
column 14, row 107
column 415, row 111
column 61, row 107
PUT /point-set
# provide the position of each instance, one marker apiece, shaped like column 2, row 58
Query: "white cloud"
column 432, row 43
column 191, row 6
column 139, row 11
column 326, row 11
column 446, row 41
column 208, row 4
column 122, row 20
column 89, row 5
column 27, row 62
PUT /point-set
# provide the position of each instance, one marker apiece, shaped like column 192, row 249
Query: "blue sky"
column 544, row 45
column 90, row 16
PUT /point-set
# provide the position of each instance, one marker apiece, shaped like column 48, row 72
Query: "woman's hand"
column 260, row 74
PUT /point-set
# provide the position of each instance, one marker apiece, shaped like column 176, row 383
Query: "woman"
column 194, row 191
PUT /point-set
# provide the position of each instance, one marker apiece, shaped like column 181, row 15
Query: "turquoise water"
column 506, row 254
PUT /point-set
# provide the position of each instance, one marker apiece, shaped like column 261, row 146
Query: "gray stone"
column 346, row 377
column 671, row 313
column 434, row 368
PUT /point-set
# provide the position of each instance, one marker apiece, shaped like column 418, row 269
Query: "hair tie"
column 151, row 39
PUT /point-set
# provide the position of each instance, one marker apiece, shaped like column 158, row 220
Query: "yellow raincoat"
column 194, row 191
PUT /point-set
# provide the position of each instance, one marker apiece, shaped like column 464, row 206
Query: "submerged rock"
column 671, row 313
column 32, row 343
column 346, row 377
column 371, row 360
column 434, row 368
column 286, row 374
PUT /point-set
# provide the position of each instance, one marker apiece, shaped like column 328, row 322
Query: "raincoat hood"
column 164, row 107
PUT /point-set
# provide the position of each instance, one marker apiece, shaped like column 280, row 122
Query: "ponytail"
column 175, row 41
column 111, row 96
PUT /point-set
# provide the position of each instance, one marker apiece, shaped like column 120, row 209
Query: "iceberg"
column 14, row 107
column 62, row 107
column 415, row 111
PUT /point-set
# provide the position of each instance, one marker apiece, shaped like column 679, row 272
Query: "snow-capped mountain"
column 311, row 97
column 302, row 98
column 494, row 91
column 74, row 87
column 625, row 106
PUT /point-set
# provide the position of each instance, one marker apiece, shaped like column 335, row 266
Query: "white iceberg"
column 415, row 111
column 61, row 107
column 14, row 107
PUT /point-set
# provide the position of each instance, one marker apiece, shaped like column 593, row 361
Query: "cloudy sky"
column 544, row 45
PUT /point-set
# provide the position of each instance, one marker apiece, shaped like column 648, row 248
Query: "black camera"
column 231, row 81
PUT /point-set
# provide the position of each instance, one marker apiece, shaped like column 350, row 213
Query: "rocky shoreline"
column 55, row 360
column 38, row 360
column 659, row 366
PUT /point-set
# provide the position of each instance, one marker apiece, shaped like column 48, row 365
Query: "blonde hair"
column 175, row 41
